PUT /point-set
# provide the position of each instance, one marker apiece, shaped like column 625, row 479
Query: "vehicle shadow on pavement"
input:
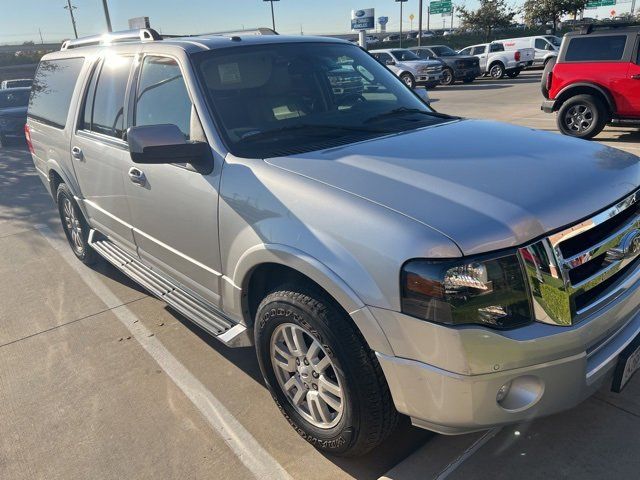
column 631, row 135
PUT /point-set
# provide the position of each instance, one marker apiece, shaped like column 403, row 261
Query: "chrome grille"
column 579, row 270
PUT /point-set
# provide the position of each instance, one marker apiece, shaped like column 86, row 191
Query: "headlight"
column 489, row 291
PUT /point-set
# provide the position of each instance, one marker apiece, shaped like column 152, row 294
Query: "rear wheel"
column 408, row 80
column 75, row 226
column 496, row 71
column 582, row 116
column 321, row 374
column 447, row 77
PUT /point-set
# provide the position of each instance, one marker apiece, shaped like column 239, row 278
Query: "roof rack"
column 234, row 33
column 141, row 35
column 587, row 28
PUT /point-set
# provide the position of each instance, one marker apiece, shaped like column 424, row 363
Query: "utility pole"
column 71, row 8
column 106, row 15
column 420, row 23
column 401, row 2
column 41, row 39
column 428, row 18
column 273, row 17
column 452, row 10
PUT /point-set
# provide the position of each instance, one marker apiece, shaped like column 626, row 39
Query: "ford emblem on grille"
column 628, row 247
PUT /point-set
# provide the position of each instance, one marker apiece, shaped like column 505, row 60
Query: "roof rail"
column 587, row 28
column 233, row 33
column 141, row 35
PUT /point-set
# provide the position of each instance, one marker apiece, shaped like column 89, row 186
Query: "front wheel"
column 323, row 377
column 408, row 80
column 447, row 77
column 496, row 71
column 582, row 116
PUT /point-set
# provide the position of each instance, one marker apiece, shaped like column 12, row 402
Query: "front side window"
column 404, row 55
column 444, row 51
column 52, row 89
column 107, row 115
column 553, row 40
column 280, row 99
column 478, row 50
column 162, row 96
column 596, row 48
column 541, row 44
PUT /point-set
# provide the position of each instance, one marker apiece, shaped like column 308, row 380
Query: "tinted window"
column 272, row 100
column 596, row 48
column 478, row 50
column 444, row 51
column 162, row 95
column 496, row 47
column 108, row 105
column 14, row 98
column 52, row 90
column 540, row 44
column 383, row 57
column 466, row 51
column 404, row 55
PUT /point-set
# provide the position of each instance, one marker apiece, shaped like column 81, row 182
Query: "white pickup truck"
column 497, row 62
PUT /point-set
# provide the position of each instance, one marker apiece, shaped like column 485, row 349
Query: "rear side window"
column 162, row 95
column 108, row 104
column 52, row 90
column 596, row 48
column 496, row 47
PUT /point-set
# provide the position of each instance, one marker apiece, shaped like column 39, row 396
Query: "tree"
column 544, row 11
column 490, row 15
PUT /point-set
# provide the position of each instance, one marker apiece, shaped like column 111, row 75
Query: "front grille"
column 582, row 268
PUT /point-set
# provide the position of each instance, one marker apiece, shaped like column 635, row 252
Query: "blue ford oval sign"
column 360, row 13
column 363, row 19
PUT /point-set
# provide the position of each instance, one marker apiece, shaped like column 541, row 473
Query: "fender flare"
column 53, row 166
column 320, row 274
column 604, row 92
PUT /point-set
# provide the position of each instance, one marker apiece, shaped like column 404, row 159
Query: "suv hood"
column 485, row 185
column 420, row 63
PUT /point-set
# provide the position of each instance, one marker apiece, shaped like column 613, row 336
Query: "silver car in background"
column 411, row 69
column 292, row 194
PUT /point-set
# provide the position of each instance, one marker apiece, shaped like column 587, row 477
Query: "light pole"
column 401, row 2
column 106, row 15
column 420, row 23
column 273, row 17
column 71, row 8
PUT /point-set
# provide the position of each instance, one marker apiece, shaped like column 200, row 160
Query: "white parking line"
column 239, row 440
column 475, row 446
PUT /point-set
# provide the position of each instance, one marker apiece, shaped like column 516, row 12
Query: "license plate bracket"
column 628, row 364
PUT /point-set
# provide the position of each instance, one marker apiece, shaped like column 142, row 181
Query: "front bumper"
column 428, row 77
column 447, row 379
column 461, row 73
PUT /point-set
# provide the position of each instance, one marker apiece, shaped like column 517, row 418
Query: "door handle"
column 636, row 76
column 76, row 152
column 137, row 176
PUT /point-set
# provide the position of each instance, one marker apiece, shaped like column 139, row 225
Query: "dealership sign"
column 364, row 19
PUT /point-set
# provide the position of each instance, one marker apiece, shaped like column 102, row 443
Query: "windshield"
column 404, row 55
column 19, row 98
column 444, row 51
column 280, row 99
column 555, row 41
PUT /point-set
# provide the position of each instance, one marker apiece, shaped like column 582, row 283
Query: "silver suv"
column 382, row 257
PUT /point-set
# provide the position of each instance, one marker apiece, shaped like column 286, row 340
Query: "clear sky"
column 21, row 19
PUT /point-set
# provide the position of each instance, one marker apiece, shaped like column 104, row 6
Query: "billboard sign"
column 440, row 7
column 364, row 19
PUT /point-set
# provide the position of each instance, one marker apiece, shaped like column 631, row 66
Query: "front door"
column 481, row 53
column 628, row 101
column 175, row 207
column 99, row 153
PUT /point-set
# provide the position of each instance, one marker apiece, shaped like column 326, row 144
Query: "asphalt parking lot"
column 98, row 380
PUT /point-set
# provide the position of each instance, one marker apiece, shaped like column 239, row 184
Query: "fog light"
column 503, row 391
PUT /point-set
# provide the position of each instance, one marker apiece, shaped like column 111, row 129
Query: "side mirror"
column 157, row 144
column 389, row 62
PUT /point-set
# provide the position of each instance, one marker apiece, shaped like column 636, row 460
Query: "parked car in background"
column 595, row 81
column 465, row 68
column 425, row 34
column 391, row 38
column 372, row 39
column 411, row 69
column 497, row 62
column 545, row 47
column 13, row 113
column 15, row 83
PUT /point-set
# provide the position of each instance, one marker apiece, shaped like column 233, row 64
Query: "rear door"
column 631, row 86
column 100, row 154
column 481, row 52
column 175, row 209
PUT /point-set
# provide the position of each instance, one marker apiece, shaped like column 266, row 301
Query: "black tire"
column 468, row 80
column 582, row 116
column 408, row 79
column 496, row 71
column 513, row 73
column 368, row 414
column 431, row 86
column 448, row 77
column 76, row 236
column 548, row 68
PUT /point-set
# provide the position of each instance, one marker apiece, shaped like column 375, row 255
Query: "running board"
column 198, row 311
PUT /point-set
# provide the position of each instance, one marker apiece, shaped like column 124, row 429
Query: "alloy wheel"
column 72, row 225
column 579, row 118
column 307, row 376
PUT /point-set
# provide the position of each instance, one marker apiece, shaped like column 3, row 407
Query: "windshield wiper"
column 399, row 112
column 310, row 129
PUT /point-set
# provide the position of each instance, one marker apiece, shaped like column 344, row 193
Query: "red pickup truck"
column 595, row 81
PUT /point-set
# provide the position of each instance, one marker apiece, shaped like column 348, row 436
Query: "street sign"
column 591, row 4
column 411, row 17
column 364, row 19
column 440, row 7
